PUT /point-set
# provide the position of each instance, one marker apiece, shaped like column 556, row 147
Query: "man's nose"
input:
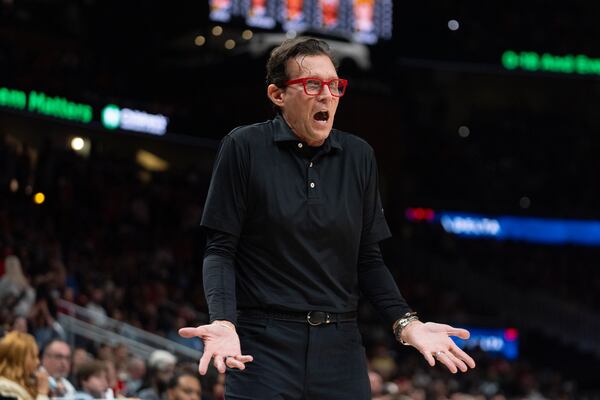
column 326, row 92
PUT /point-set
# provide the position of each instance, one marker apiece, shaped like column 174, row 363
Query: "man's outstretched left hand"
column 434, row 343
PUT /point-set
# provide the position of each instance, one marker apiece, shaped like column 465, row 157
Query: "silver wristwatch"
column 402, row 323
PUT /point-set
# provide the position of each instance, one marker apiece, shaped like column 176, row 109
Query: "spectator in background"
column 120, row 356
column 382, row 362
column 54, row 279
column 104, row 352
column 44, row 325
column 16, row 294
column 16, row 323
column 120, row 362
column 80, row 357
column 19, row 374
column 161, row 368
column 99, row 315
column 114, row 384
column 218, row 389
column 136, row 370
column 376, row 385
column 92, row 381
column 56, row 359
column 184, row 386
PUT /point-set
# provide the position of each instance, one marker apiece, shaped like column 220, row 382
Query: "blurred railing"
column 97, row 327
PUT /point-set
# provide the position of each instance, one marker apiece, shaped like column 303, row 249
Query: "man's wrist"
column 225, row 323
column 405, row 332
column 401, row 324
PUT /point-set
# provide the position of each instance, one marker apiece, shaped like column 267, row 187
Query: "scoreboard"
column 362, row 21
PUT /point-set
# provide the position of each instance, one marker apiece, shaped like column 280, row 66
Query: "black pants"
column 296, row 361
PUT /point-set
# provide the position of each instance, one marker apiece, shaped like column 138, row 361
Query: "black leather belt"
column 313, row 318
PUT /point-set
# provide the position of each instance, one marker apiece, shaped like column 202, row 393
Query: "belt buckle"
column 316, row 318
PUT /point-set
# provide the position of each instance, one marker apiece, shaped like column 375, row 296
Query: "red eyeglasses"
column 314, row 86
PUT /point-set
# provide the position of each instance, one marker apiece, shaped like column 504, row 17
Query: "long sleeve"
column 219, row 275
column 226, row 202
column 377, row 284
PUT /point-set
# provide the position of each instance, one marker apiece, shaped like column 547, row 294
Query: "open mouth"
column 321, row 116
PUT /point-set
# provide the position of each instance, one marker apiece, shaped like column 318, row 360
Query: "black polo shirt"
column 300, row 215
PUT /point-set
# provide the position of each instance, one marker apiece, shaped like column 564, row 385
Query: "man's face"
column 96, row 385
column 310, row 117
column 57, row 360
column 165, row 373
column 188, row 388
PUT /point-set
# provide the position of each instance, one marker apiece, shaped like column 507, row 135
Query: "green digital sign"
column 111, row 116
column 13, row 98
column 545, row 62
column 40, row 103
column 59, row 107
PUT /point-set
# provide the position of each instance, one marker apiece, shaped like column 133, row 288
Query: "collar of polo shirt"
column 283, row 133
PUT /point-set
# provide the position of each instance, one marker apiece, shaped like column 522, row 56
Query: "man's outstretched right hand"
column 221, row 342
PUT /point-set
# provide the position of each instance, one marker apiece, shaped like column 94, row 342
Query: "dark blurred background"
column 454, row 128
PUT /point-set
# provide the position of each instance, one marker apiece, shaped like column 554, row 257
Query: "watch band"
column 402, row 323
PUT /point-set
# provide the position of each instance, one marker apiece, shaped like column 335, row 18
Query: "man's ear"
column 276, row 94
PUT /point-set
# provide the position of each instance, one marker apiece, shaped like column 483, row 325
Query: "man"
column 293, row 219
column 92, row 378
column 56, row 359
column 136, row 371
column 80, row 357
column 184, row 386
column 161, row 368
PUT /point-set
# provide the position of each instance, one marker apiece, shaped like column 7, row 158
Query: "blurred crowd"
column 60, row 371
column 124, row 243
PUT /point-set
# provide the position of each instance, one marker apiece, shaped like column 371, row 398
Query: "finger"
column 204, row 361
column 458, row 352
column 189, row 332
column 429, row 358
column 444, row 359
column 461, row 333
column 219, row 364
column 244, row 358
column 456, row 361
column 452, row 331
column 232, row 362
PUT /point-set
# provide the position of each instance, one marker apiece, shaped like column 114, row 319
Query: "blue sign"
column 499, row 342
column 527, row 229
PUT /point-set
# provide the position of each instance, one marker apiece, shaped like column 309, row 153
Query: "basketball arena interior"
column 483, row 119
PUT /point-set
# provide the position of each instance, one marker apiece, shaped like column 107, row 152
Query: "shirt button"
column 312, row 185
column 310, row 165
column 299, row 145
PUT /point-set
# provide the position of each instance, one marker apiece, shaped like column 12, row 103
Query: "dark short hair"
column 50, row 343
column 174, row 381
column 290, row 49
column 88, row 369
